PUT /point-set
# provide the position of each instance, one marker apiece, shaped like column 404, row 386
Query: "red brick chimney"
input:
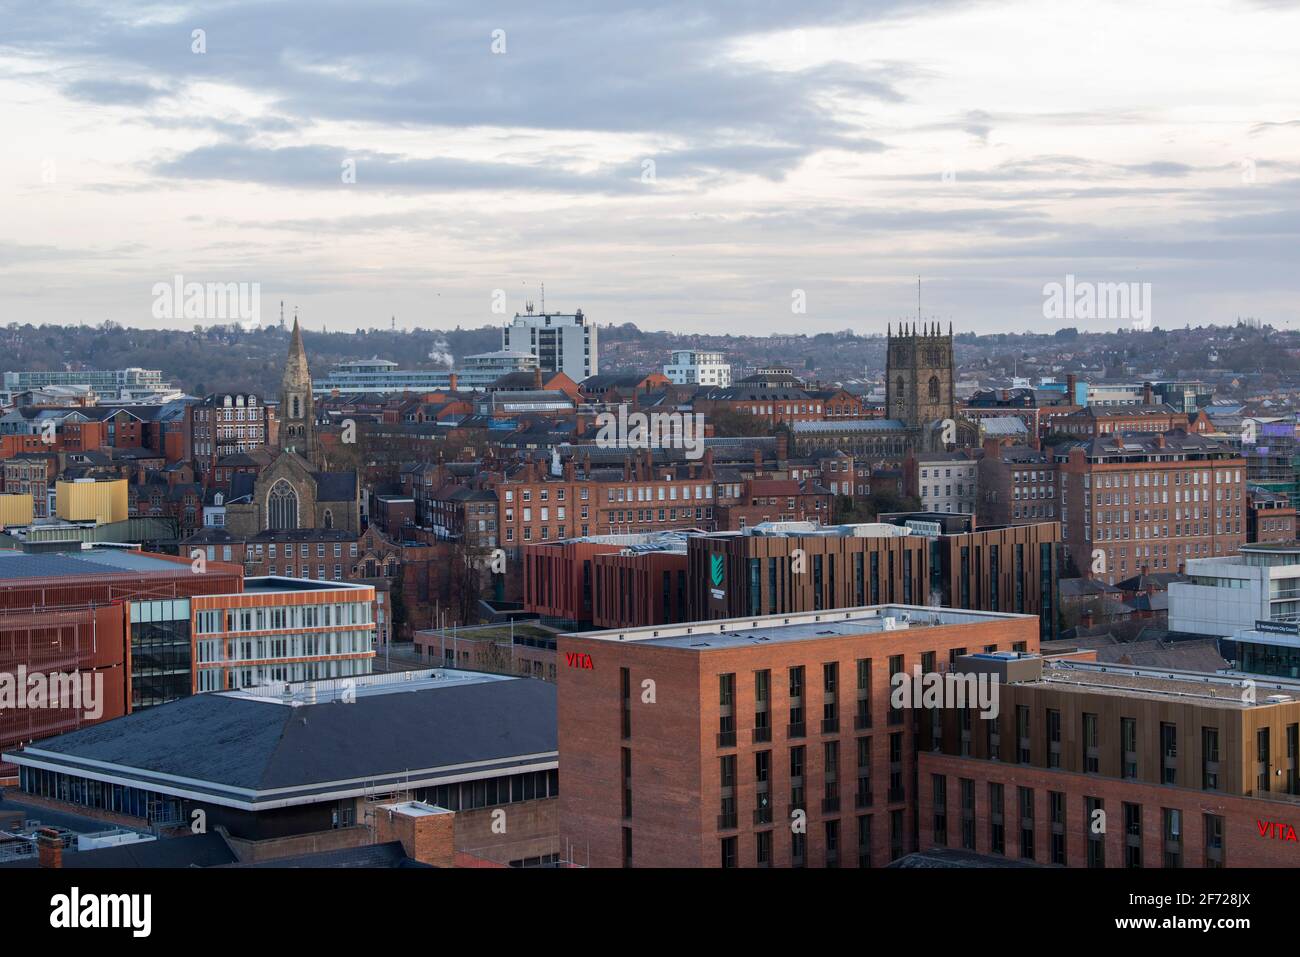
column 1146, row 394
column 427, row 833
column 453, row 382
column 1085, row 618
column 49, row 848
column 537, row 378
column 782, row 447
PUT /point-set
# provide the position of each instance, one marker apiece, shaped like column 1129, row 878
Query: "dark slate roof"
column 192, row 850
column 390, row 854
column 336, row 486
column 227, row 741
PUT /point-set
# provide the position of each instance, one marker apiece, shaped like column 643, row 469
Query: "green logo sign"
column 715, row 570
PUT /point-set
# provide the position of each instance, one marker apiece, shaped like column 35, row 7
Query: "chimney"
column 1071, row 385
column 453, row 382
column 427, row 833
column 49, row 848
column 758, row 462
column 993, row 450
column 782, row 447
column 1085, row 618
column 537, row 378
column 1160, row 440
column 1146, row 394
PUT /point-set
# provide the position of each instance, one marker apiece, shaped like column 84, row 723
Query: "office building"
column 689, row 367
column 561, row 342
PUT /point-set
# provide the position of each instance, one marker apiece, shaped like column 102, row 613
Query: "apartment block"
column 757, row 742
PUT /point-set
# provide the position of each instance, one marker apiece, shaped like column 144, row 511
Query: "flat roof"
column 264, row 584
column 808, row 626
column 1226, row 689
column 79, row 563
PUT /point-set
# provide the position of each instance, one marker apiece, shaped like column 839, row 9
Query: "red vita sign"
column 578, row 660
column 1277, row 830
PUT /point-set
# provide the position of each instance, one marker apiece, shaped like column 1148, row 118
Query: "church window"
column 282, row 506
column 898, row 387
column 934, row 388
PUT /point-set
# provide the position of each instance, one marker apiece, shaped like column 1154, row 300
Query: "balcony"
column 761, row 735
column 863, row 799
column 830, row 805
column 726, row 739
column 862, row 722
column 830, row 725
column 895, row 794
column 762, row 815
column 727, row 822
column 796, row 730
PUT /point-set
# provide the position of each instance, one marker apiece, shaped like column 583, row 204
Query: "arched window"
column 898, row 387
column 297, row 408
column 282, row 506
column 934, row 388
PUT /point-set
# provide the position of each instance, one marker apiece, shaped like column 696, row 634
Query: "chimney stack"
column 427, row 833
column 453, row 382
column 537, row 378
column 49, row 848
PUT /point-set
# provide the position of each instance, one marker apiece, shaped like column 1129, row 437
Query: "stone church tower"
column 297, row 414
column 919, row 386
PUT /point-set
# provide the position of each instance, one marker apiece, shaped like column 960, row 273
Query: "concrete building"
column 384, row 377
column 1232, row 592
column 689, row 367
column 561, row 342
column 943, row 481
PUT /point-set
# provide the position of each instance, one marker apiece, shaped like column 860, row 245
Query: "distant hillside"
column 224, row 358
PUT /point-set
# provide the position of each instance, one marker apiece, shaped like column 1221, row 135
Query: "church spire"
column 297, row 417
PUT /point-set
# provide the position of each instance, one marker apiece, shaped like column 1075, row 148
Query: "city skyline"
column 709, row 172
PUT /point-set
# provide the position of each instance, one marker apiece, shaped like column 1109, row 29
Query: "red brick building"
column 1109, row 766
column 1149, row 501
column 758, row 742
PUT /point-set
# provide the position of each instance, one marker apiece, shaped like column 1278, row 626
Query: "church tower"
column 919, row 387
column 297, row 415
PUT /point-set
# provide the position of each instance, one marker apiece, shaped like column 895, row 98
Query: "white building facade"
column 1231, row 593
column 561, row 343
column 688, row 367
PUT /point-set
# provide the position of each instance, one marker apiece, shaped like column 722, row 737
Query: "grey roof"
column 18, row 565
column 191, row 850
column 232, row 747
column 335, row 486
column 851, row 425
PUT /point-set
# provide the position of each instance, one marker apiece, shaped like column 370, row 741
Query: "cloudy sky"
column 693, row 166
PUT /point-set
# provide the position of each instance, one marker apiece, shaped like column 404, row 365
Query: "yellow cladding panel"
column 15, row 509
column 99, row 502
